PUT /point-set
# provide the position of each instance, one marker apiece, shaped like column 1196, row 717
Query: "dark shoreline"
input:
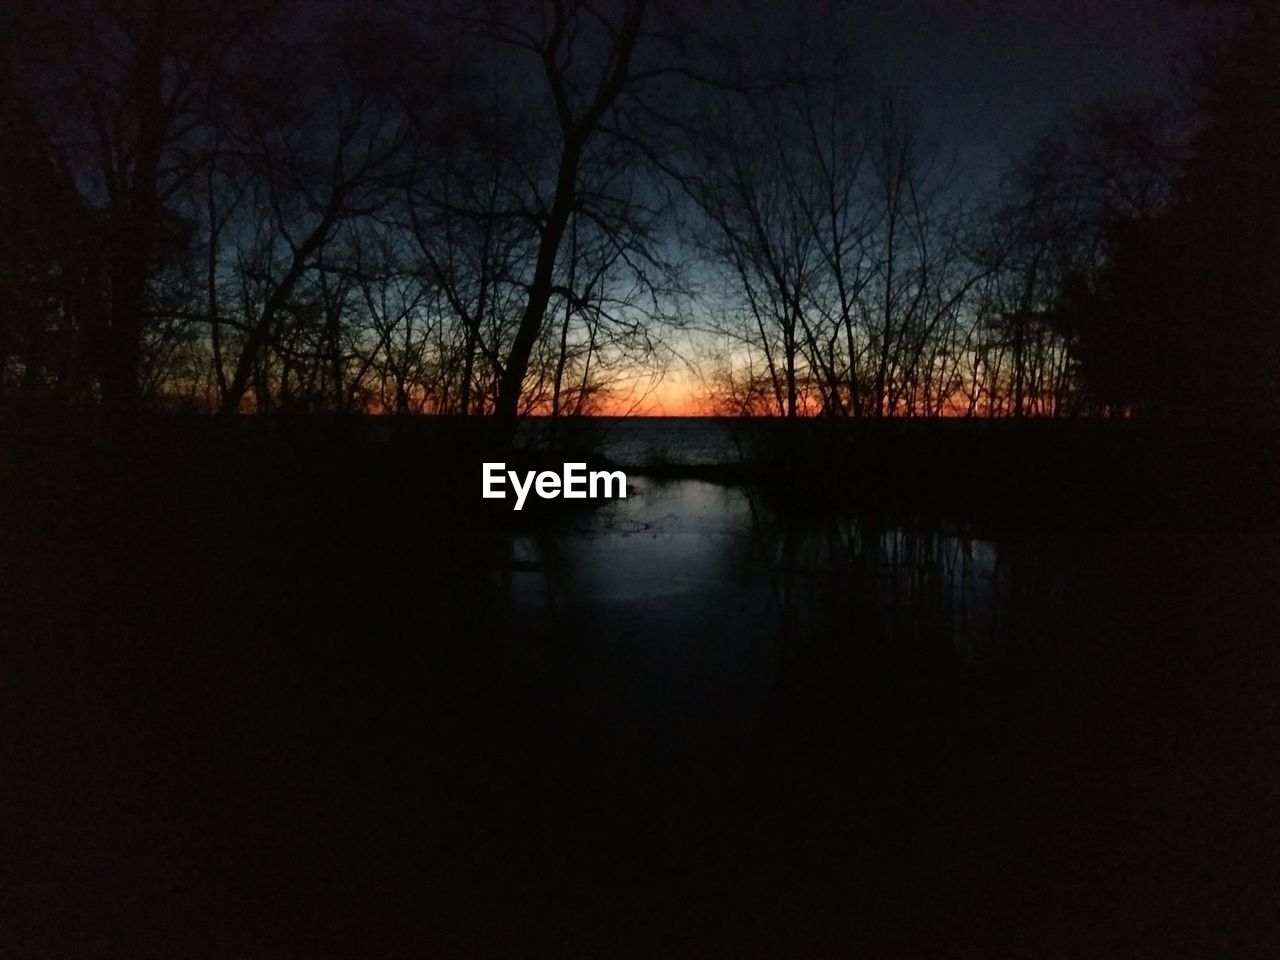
column 994, row 471
column 275, row 691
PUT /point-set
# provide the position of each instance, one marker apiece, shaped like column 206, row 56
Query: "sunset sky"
column 990, row 77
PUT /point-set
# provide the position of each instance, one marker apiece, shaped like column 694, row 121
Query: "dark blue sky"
column 991, row 75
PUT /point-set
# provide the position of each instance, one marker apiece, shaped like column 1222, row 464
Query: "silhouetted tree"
column 1106, row 165
column 125, row 97
column 840, row 237
column 1182, row 314
column 330, row 151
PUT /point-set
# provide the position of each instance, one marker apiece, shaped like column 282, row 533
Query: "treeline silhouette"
column 506, row 208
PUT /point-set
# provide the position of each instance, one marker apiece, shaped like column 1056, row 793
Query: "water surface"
column 696, row 602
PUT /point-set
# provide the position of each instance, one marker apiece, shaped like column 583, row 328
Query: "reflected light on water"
column 694, row 594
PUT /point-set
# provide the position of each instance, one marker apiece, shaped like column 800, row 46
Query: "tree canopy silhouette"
column 1183, row 316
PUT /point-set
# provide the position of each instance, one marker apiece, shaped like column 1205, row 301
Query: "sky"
column 988, row 76
column 992, row 76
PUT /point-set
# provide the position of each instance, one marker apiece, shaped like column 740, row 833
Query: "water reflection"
column 925, row 590
column 689, row 593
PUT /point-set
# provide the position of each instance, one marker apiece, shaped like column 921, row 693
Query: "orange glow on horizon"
column 674, row 396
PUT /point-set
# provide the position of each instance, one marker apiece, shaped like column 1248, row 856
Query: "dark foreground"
column 309, row 699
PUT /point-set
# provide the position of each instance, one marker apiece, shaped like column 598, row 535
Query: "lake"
column 905, row 712
column 694, row 596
